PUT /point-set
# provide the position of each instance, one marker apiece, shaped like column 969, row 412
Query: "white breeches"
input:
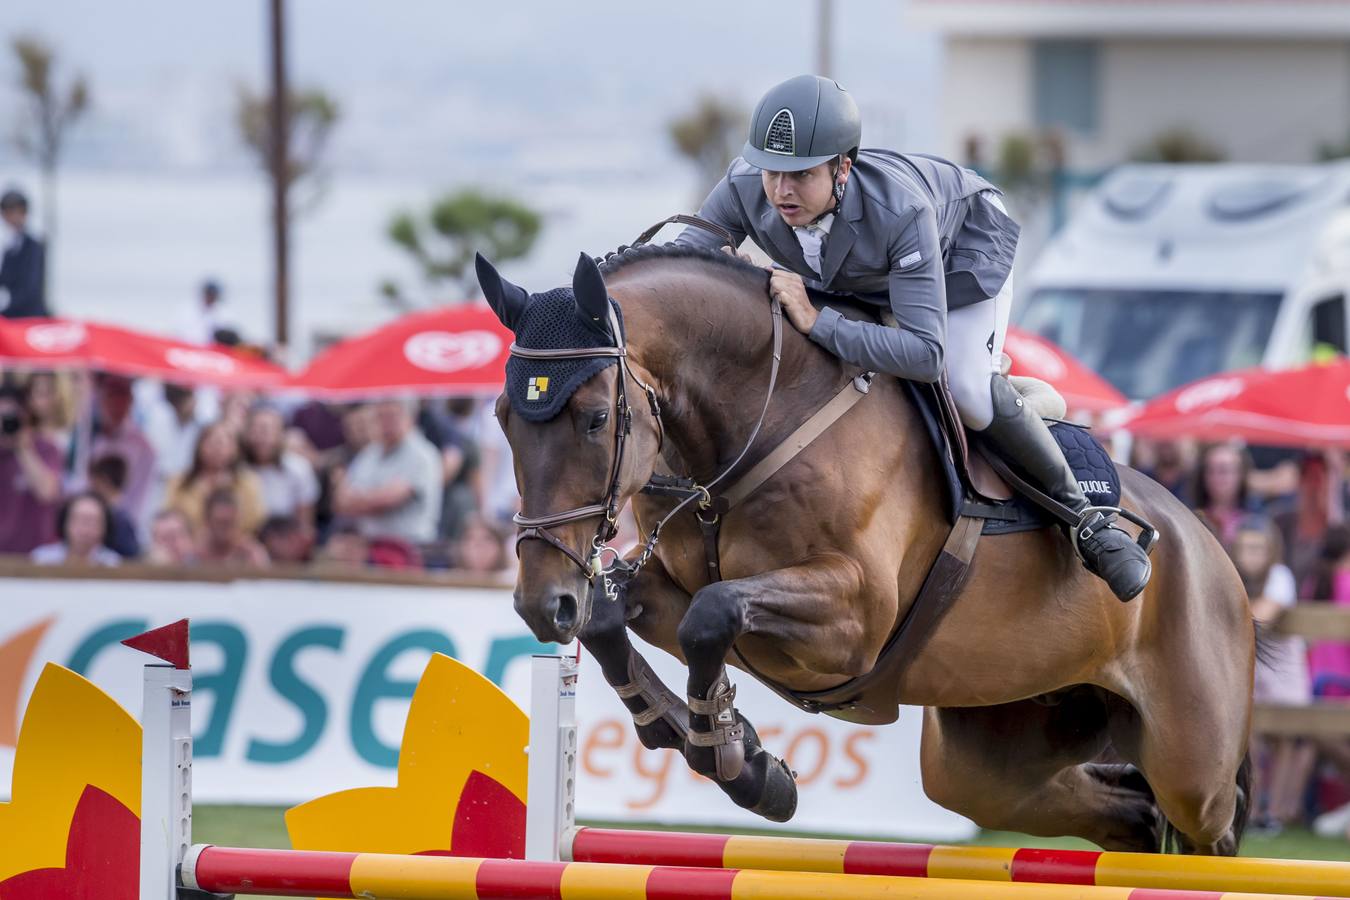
column 974, row 346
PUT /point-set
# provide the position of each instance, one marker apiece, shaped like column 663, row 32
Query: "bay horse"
column 1051, row 708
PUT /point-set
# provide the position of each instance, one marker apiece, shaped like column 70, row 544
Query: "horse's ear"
column 506, row 299
column 592, row 299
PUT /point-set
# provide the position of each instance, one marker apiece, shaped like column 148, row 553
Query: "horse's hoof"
column 778, row 802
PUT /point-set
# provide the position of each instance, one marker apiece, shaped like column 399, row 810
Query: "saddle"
column 984, row 496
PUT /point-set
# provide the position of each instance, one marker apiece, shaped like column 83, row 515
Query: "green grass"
column 262, row 826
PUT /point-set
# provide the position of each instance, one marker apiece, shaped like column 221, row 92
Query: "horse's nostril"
column 565, row 611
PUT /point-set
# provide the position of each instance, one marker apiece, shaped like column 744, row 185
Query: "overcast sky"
column 460, row 89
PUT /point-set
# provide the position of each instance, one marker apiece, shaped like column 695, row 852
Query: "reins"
column 592, row 565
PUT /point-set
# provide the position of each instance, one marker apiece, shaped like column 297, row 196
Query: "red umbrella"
column 1304, row 407
column 1082, row 388
column 68, row 343
column 451, row 350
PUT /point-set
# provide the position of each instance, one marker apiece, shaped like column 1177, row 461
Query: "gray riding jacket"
column 913, row 234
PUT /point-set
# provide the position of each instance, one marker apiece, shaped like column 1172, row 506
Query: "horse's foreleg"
column 799, row 609
column 660, row 718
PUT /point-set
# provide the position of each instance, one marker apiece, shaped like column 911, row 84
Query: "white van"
column 1169, row 273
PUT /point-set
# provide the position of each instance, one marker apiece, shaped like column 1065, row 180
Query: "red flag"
column 69, row 343
column 450, row 350
column 1081, row 388
column 1304, row 407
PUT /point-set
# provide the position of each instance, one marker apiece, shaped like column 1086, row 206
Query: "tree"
column 1178, row 145
column 45, row 117
column 443, row 242
column 312, row 115
column 711, row 136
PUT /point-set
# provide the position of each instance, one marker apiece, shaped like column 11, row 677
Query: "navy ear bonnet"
column 539, row 388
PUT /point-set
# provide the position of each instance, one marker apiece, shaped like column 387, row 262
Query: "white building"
column 1262, row 81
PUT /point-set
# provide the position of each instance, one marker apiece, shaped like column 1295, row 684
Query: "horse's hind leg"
column 1027, row 767
column 1191, row 745
column 660, row 717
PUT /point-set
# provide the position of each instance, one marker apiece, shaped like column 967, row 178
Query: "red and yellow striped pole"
column 1080, row 867
column 299, row 873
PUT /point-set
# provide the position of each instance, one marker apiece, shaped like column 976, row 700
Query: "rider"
column 916, row 234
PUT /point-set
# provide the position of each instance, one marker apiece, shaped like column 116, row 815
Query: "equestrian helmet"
column 802, row 123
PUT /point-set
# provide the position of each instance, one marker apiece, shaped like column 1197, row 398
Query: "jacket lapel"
column 784, row 243
column 843, row 233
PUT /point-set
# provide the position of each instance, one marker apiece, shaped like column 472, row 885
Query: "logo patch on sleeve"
column 536, row 388
column 910, row 260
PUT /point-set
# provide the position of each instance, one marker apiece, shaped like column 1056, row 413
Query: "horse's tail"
column 1267, row 648
column 1266, row 652
column 1243, row 813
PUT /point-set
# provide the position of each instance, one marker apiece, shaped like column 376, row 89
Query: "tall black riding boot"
column 1023, row 439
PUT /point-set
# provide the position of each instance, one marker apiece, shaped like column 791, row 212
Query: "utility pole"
column 280, row 128
column 824, row 38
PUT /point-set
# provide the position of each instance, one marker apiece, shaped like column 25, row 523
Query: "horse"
column 1050, row 708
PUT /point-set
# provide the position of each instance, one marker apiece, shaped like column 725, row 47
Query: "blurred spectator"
column 30, row 477
column 1329, row 661
column 51, row 409
column 1275, row 472
column 497, row 498
column 216, row 465
column 358, row 430
column 346, row 548
column 1221, row 489
column 224, row 540
column 107, row 478
column 201, row 321
column 1304, row 518
column 234, row 407
column 460, row 462
column 173, row 428
column 82, row 525
column 289, row 486
column 1170, row 464
column 116, row 435
column 318, row 428
column 482, row 551
column 287, row 540
column 23, row 266
column 394, row 553
column 393, row 486
column 1282, row 678
column 171, row 542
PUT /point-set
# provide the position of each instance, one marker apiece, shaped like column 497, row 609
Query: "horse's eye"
column 598, row 421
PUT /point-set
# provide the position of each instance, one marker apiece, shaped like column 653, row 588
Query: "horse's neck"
column 709, row 344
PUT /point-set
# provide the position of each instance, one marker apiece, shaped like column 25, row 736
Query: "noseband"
column 592, row 565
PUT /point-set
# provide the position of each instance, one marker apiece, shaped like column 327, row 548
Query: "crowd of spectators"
column 102, row 469
column 1281, row 515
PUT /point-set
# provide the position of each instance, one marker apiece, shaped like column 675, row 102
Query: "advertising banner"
column 301, row 689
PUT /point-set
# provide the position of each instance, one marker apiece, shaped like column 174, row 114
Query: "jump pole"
column 551, row 822
column 297, row 873
column 1028, row 865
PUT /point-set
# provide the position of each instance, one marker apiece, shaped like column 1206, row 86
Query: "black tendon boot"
column 1019, row 436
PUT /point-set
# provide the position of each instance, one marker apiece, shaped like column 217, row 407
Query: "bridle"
column 592, row 565
column 537, row 527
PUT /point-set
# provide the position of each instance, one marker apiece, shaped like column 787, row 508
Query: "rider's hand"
column 790, row 290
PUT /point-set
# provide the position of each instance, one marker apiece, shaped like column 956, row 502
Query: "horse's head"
column 582, row 434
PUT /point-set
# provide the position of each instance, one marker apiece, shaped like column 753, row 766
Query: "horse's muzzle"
column 557, row 615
